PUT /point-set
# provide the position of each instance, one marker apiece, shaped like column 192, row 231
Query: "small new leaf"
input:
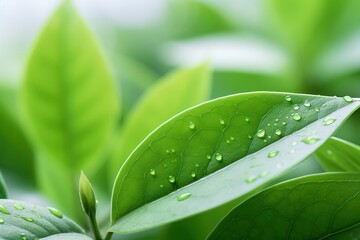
column 87, row 196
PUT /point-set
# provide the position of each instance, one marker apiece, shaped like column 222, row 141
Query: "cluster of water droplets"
column 4, row 211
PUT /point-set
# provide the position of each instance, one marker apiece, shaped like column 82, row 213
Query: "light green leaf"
column 185, row 166
column 69, row 104
column 20, row 220
column 323, row 206
column 170, row 95
column 3, row 190
column 337, row 155
column 68, row 99
column 67, row 236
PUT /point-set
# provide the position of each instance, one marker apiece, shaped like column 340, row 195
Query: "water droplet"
column 348, row 99
column 55, row 212
column 247, row 119
column 152, row 172
column 4, row 210
column 278, row 132
column 183, row 196
column 208, row 157
column 296, row 107
column 265, row 141
column 18, row 206
column 261, row 133
column 171, row 179
column 38, row 216
column 251, row 179
column 288, row 98
column 292, row 151
column 173, row 150
column 310, row 140
column 232, row 138
column 284, row 123
column 222, row 122
column 276, row 120
column 193, row 174
column 191, row 125
column 317, row 109
column 263, row 173
column 218, row 157
column 165, row 165
column 294, row 143
column 167, row 151
column 197, row 165
column 1, row 220
column 249, row 136
column 29, row 219
column 23, row 236
column 329, row 121
column 269, row 137
column 161, row 186
column 307, row 103
column 273, row 154
column 297, row 117
column 329, row 152
column 228, row 141
column 269, row 124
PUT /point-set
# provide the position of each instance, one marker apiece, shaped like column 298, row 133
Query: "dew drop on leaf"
column 191, row 125
column 263, row 173
column 296, row 107
column 288, row 98
column 55, row 212
column 18, row 206
column 4, row 210
column 183, row 196
column 222, row 122
column 218, row 157
column 23, row 236
column 251, row 179
column 247, row 119
column 273, row 154
column 193, row 174
column 1, row 220
column 152, row 172
column 297, row 117
column 261, row 133
column 28, row 219
column 317, row 109
column 208, row 157
column 278, row 132
column 329, row 121
column 310, row 140
column 171, row 179
column 284, row 123
column 307, row 103
column 348, row 99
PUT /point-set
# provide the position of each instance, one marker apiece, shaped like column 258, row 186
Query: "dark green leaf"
column 3, row 190
column 67, row 236
column 182, row 164
column 69, row 104
column 337, row 155
column 19, row 219
column 324, row 206
column 172, row 94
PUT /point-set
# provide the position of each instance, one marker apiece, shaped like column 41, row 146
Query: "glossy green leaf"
column 20, row 220
column 174, row 93
column 68, row 98
column 3, row 190
column 185, row 166
column 324, row 206
column 337, row 155
column 67, row 236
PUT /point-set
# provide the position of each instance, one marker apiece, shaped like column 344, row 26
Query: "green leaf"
column 69, row 104
column 337, row 155
column 170, row 95
column 3, row 190
column 67, row 236
column 323, row 206
column 68, row 98
column 180, row 169
column 29, row 221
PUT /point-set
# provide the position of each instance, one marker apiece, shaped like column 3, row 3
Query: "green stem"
column 108, row 236
column 94, row 227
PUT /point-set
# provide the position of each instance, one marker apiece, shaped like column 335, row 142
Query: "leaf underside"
column 323, row 206
column 188, row 155
column 67, row 236
column 20, row 220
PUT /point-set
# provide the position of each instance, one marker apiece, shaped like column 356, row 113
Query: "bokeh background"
column 308, row 46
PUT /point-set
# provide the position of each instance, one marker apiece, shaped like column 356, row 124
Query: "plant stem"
column 94, row 227
column 108, row 236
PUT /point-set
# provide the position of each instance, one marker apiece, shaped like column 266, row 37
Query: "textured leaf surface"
column 183, row 164
column 68, row 97
column 324, row 206
column 20, row 220
column 3, row 191
column 67, row 236
column 337, row 155
column 171, row 95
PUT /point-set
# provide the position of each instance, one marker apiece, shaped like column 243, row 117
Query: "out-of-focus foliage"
column 309, row 46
